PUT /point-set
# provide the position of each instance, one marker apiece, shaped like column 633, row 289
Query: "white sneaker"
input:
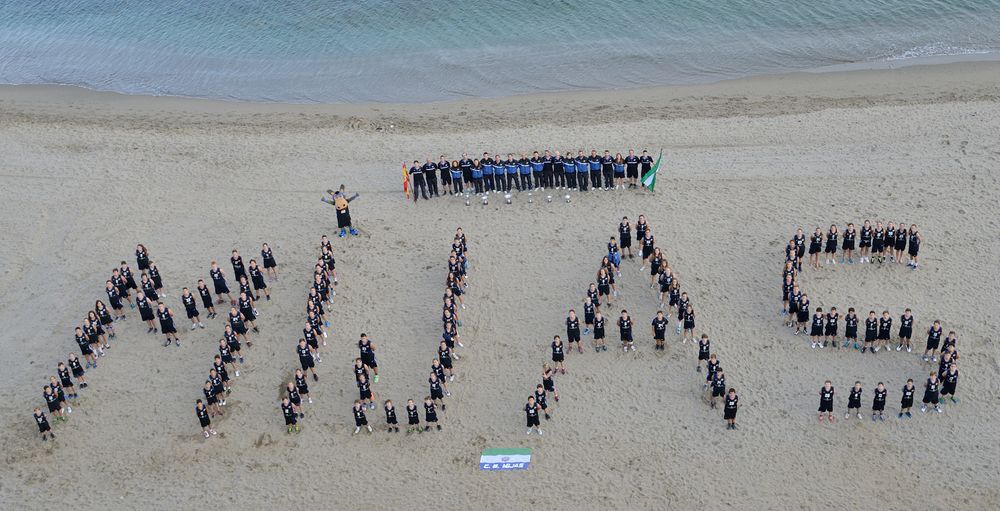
column 451, row 378
column 909, row 349
column 357, row 430
column 899, row 348
column 310, row 400
column 237, row 373
column 324, row 335
column 814, row 345
column 528, row 432
column 369, row 429
column 859, row 415
column 847, row 415
column 632, row 348
column 69, row 409
column 460, row 345
column 875, row 349
column 463, row 306
column 540, row 432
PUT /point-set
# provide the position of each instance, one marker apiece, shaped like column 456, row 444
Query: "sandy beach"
column 87, row 175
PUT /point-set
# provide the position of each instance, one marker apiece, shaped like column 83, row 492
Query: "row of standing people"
column 499, row 174
column 939, row 388
column 315, row 332
column 875, row 244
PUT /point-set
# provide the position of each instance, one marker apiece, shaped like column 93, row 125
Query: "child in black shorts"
column 704, row 347
column 392, row 425
column 43, row 424
column 878, row 402
column 854, row 401
column 413, row 417
column 826, row 393
column 359, row 417
column 731, row 405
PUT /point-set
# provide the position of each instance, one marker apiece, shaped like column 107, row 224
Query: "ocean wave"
column 937, row 49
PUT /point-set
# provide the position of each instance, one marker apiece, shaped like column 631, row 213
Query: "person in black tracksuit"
column 547, row 170
column 607, row 168
column 419, row 182
column 430, row 176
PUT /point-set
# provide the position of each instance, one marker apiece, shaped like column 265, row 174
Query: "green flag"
column 649, row 179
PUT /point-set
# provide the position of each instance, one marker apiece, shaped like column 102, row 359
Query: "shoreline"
column 884, row 64
column 799, row 92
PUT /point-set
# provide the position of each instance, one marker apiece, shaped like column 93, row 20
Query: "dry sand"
column 85, row 176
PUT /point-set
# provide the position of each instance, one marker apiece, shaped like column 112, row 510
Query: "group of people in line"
column 939, row 389
column 315, row 332
column 602, row 293
column 95, row 336
column 241, row 319
column 526, row 172
column 874, row 244
column 442, row 370
column 879, row 243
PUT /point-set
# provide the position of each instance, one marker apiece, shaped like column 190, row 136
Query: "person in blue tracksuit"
column 477, row 176
column 607, row 166
column 538, row 170
column 524, row 168
column 582, row 168
column 510, row 166
column 595, row 169
column 499, row 175
column 569, row 169
column 619, row 166
column 488, row 184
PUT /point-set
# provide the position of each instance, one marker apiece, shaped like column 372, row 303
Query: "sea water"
column 332, row 51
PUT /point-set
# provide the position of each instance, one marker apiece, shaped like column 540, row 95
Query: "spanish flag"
column 406, row 182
